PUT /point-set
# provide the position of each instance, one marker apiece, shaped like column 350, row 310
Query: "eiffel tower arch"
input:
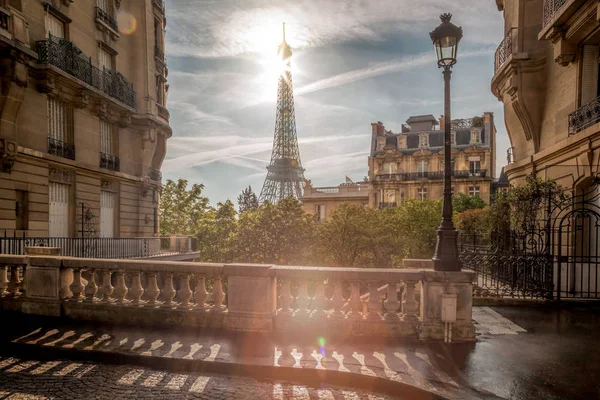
column 285, row 175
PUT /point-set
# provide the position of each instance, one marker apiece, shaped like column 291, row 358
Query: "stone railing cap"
column 247, row 269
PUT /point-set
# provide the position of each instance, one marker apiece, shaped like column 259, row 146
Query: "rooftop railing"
column 69, row 58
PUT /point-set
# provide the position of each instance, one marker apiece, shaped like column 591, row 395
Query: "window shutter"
column 589, row 76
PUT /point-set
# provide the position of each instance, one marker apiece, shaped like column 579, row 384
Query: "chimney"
column 442, row 120
column 380, row 128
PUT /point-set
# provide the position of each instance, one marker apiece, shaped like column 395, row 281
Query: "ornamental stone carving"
column 61, row 176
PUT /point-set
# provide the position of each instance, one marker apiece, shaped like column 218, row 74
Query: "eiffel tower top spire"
column 285, row 175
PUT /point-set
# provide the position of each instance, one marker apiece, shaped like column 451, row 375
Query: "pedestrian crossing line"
column 38, row 330
column 214, row 350
column 130, row 377
column 157, row 344
column 9, row 361
column 64, row 336
column 45, row 367
column 340, row 359
column 154, row 379
column 46, row 335
column 364, row 370
column 67, row 370
column 176, row 382
column 174, row 347
column 324, row 394
column 199, row 384
column 300, row 393
column 81, row 373
column 81, row 338
column 101, row 339
column 23, row 366
column 194, row 347
column 138, row 343
column 276, row 355
column 297, row 358
column 319, row 358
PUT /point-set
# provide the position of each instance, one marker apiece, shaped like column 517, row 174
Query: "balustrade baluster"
column 3, row 279
column 14, row 283
column 200, row 293
column 77, row 286
column 137, row 291
column 355, row 302
column 338, row 300
column 107, row 287
column 121, row 289
column 302, row 300
column 168, row 291
column 374, row 303
column 185, row 293
column 285, row 298
column 320, row 299
column 409, row 306
column 152, row 290
column 391, row 303
column 217, row 295
column 91, row 288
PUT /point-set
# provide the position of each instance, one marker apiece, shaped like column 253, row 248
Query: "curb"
column 309, row 377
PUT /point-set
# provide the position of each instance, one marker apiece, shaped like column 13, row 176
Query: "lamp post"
column 445, row 40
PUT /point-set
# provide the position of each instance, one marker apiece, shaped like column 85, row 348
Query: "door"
column 59, row 210
column 107, row 214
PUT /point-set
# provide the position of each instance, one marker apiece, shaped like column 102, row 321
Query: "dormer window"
column 402, row 142
column 423, row 140
column 453, row 138
column 476, row 135
column 380, row 143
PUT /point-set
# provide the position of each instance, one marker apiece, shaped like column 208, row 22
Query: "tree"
column 247, row 200
column 462, row 202
column 217, row 232
column 182, row 211
column 475, row 221
column 417, row 223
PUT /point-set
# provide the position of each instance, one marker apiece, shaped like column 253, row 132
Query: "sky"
column 354, row 62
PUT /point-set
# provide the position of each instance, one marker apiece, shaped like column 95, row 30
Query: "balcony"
column 505, row 49
column 557, row 18
column 417, row 176
column 386, row 205
column 163, row 112
column 4, row 21
column 61, row 149
column 389, row 177
column 481, row 173
column 67, row 57
column 109, row 161
column 104, row 17
column 584, row 117
column 155, row 174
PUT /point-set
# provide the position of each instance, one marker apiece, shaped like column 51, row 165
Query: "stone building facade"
column 322, row 201
column 546, row 75
column 83, row 118
column 410, row 164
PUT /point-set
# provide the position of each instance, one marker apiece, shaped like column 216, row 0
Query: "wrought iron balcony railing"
column 415, row 176
column 480, row 173
column 69, row 58
column 504, row 50
column 163, row 112
column 61, row 149
column 109, row 161
column 155, row 175
column 584, row 116
column 107, row 18
column 158, row 53
column 4, row 19
column 390, row 177
column 551, row 7
column 386, row 204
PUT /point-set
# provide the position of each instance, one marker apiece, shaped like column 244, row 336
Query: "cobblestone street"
column 30, row 379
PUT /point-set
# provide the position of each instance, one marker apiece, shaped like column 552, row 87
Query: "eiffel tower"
column 285, row 175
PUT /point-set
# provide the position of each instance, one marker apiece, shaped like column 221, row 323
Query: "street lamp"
column 445, row 40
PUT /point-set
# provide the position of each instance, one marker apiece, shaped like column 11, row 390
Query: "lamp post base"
column 446, row 252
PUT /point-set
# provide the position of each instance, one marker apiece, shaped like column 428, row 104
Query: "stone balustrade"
column 248, row 297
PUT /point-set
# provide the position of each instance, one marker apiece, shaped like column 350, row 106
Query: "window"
column 58, row 221
column 107, row 214
column 103, row 5
column 380, row 143
column 158, row 36
column 424, row 140
column 106, row 137
column 155, row 219
column 54, row 26
column 320, row 212
column 389, row 196
column 474, row 165
column 422, row 194
column 59, row 120
column 589, row 74
column 475, row 135
column 473, row 190
column 402, row 142
column 422, row 167
column 22, row 210
column 105, row 59
column 390, row 167
column 453, row 138
column 160, row 90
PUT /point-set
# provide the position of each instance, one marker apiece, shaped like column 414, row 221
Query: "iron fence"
column 61, row 149
column 69, row 58
column 109, row 161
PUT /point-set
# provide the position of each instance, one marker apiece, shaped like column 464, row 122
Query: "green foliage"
column 463, row 202
column 417, row 223
column 474, row 221
column 247, row 200
column 216, row 234
column 182, row 211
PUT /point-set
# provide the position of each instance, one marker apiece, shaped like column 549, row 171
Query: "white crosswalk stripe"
column 495, row 322
column 199, row 384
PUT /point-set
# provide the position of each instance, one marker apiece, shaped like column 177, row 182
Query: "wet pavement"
column 526, row 352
